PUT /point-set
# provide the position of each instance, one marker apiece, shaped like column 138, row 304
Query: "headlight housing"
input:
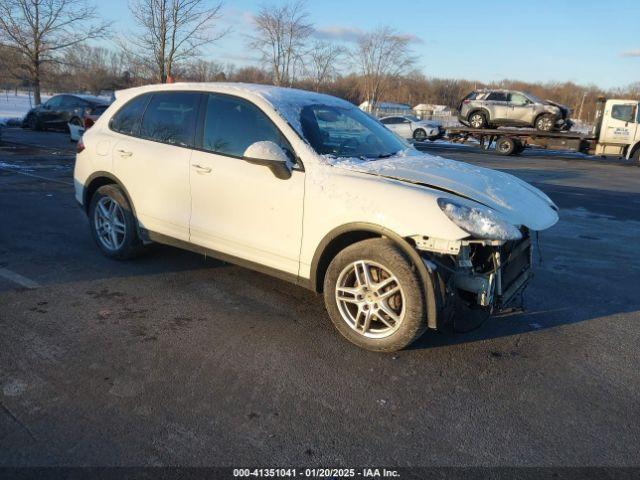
column 480, row 222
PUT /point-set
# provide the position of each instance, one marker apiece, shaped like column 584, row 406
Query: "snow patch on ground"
column 15, row 107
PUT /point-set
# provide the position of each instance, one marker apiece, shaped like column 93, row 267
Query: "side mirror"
column 270, row 155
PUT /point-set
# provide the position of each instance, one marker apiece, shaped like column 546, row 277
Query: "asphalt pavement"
column 174, row 359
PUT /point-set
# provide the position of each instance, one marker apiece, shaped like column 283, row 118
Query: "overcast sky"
column 585, row 41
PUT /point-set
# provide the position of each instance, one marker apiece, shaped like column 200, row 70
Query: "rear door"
column 151, row 157
column 619, row 123
column 392, row 123
column 498, row 105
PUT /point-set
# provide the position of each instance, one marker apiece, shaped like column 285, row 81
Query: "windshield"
column 413, row 118
column 347, row 132
column 533, row 98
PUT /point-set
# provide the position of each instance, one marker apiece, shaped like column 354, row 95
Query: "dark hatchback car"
column 61, row 110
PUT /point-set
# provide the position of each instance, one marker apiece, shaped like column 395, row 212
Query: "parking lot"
column 174, row 359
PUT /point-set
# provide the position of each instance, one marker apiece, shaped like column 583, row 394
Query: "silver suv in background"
column 493, row 108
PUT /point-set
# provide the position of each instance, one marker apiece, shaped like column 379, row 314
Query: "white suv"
column 308, row 188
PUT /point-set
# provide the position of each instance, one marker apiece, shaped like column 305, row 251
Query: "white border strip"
column 17, row 278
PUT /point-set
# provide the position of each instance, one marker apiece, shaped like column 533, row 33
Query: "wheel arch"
column 345, row 235
column 482, row 110
column 631, row 151
column 542, row 114
column 99, row 179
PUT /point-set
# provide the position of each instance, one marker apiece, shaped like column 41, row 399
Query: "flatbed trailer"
column 513, row 141
column 616, row 132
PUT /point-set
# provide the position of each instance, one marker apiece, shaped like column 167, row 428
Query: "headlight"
column 481, row 222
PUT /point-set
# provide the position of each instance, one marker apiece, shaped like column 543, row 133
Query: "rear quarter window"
column 127, row 119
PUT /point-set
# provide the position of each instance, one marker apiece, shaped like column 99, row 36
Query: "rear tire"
column 636, row 157
column 113, row 224
column 545, row 123
column 478, row 120
column 374, row 296
column 419, row 135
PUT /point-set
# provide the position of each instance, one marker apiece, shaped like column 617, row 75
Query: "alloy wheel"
column 476, row 120
column 545, row 124
column 109, row 222
column 370, row 299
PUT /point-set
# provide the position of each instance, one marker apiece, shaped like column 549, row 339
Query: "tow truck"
column 616, row 132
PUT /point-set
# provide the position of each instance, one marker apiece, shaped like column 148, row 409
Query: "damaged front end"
column 479, row 275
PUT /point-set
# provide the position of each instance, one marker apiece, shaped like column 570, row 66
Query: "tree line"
column 46, row 45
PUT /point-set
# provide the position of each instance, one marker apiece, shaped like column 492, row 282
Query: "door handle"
column 124, row 153
column 201, row 169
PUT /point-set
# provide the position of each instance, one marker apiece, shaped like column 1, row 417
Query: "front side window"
column 347, row 132
column 232, row 124
column 518, row 99
column 127, row 119
column 170, row 117
column 626, row 113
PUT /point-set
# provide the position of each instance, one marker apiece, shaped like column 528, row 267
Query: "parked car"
column 76, row 129
column 393, row 238
column 408, row 126
column 492, row 108
column 60, row 110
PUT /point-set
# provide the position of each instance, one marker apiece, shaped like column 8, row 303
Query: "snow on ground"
column 15, row 107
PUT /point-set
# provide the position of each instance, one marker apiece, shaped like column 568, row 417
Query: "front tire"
column 545, row 123
column 374, row 296
column 113, row 224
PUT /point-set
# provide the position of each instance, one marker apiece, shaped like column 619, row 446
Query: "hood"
column 517, row 201
column 565, row 110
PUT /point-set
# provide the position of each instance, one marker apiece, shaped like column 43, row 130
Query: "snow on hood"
column 517, row 201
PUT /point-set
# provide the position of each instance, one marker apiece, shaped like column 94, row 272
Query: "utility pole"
column 584, row 95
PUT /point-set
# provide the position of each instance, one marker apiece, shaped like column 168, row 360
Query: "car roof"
column 288, row 102
column 270, row 93
column 88, row 98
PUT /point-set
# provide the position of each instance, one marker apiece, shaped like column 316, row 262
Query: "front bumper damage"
column 484, row 273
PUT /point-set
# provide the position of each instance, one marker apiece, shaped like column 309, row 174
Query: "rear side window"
column 626, row 113
column 170, row 117
column 232, row 124
column 497, row 97
column 392, row 120
column 127, row 119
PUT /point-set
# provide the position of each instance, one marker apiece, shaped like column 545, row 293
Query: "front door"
column 619, row 123
column 521, row 110
column 240, row 208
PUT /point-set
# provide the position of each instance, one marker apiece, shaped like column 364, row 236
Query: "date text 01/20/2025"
column 315, row 473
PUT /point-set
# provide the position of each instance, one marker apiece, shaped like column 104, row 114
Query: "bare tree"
column 281, row 36
column 41, row 31
column 380, row 57
column 322, row 63
column 172, row 31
